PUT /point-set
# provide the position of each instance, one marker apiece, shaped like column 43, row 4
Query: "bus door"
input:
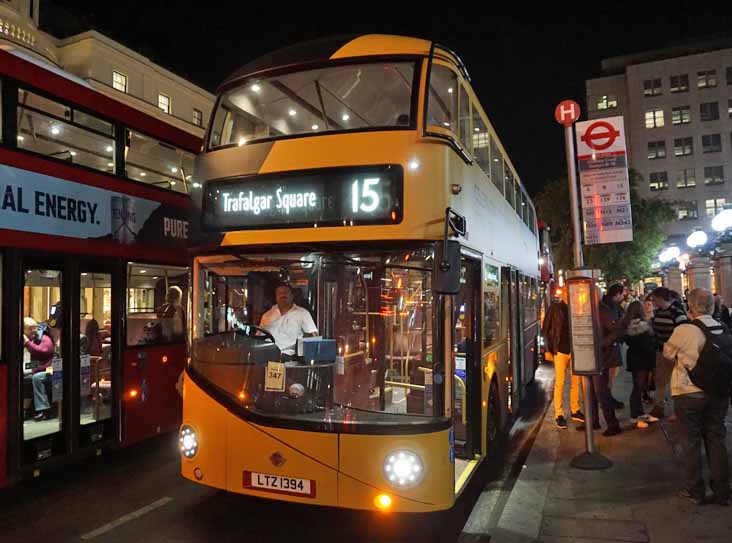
column 466, row 346
column 67, row 356
column 95, row 325
column 510, row 291
column 44, row 349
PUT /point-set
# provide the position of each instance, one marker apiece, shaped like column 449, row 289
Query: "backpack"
column 713, row 370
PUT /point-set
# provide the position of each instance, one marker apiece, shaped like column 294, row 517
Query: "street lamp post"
column 668, row 259
column 698, row 270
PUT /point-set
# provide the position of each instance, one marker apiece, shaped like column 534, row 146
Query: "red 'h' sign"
column 567, row 112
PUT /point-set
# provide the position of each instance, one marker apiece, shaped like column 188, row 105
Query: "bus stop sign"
column 567, row 113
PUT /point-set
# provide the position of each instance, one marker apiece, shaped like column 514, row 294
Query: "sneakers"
column 578, row 416
column 648, row 418
column 41, row 415
column 561, row 422
column 639, row 422
column 612, row 431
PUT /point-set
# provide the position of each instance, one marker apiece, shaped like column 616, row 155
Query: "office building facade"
column 677, row 108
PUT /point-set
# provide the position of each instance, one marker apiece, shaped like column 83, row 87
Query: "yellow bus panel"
column 253, row 450
column 208, row 419
column 362, row 467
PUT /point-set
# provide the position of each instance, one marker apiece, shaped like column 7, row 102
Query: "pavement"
column 633, row 501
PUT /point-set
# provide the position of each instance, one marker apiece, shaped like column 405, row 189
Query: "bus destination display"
column 332, row 197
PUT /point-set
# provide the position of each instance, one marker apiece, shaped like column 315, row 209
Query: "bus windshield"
column 347, row 334
column 338, row 98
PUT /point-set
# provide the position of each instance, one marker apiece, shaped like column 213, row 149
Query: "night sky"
column 521, row 66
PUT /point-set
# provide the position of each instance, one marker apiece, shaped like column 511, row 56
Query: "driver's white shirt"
column 287, row 328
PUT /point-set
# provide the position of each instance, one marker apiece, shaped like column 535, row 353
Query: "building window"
column 654, row 118
column 658, row 181
column 197, row 117
column 714, row 206
column 607, row 102
column 164, row 102
column 687, row 211
column 681, row 115
column 683, row 146
column 712, row 143
column 709, row 111
column 119, row 81
column 652, row 87
column 656, row 149
column 679, row 83
column 706, row 79
column 686, row 178
column 713, row 175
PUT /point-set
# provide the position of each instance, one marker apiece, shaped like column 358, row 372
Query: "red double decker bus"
column 94, row 203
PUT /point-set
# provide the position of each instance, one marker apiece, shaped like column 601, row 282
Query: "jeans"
column 561, row 366
column 600, row 393
column 662, row 377
column 40, row 398
column 640, row 384
column 702, row 417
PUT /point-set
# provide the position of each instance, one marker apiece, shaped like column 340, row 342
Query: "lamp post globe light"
column 722, row 223
column 697, row 240
column 723, row 220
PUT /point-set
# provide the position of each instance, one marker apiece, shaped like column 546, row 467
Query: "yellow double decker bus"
column 364, row 282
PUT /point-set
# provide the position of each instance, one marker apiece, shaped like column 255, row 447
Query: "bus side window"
column 155, row 298
column 464, row 127
column 491, row 305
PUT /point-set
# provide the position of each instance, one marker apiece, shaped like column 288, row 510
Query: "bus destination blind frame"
column 305, row 199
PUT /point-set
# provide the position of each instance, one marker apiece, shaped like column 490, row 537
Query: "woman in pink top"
column 41, row 353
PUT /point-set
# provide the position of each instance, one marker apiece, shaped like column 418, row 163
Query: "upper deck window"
column 340, row 98
column 65, row 133
column 155, row 162
column 443, row 100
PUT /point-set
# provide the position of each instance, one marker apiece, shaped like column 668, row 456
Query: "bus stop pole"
column 590, row 459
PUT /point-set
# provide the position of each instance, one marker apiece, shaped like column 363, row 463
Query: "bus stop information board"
column 605, row 189
column 584, row 324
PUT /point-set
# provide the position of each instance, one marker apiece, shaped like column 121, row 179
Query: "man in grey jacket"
column 700, row 415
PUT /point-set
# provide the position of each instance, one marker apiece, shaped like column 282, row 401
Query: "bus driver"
column 288, row 322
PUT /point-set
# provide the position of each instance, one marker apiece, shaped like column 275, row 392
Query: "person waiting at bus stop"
column 612, row 331
column 556, row 336
column 38, row 342
column 288, row 322
column 701, row 414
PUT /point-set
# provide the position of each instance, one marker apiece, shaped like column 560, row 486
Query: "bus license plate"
column 279, row 484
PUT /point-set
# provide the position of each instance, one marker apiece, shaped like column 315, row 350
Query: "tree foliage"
column 630, row 260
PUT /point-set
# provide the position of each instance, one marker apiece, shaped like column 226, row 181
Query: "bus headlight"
column 188, row 442
column 403, row 469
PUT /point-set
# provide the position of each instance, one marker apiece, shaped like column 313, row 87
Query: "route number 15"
column 366, row 199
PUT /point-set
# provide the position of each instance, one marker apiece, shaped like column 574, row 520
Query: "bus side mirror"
column 446, row 278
